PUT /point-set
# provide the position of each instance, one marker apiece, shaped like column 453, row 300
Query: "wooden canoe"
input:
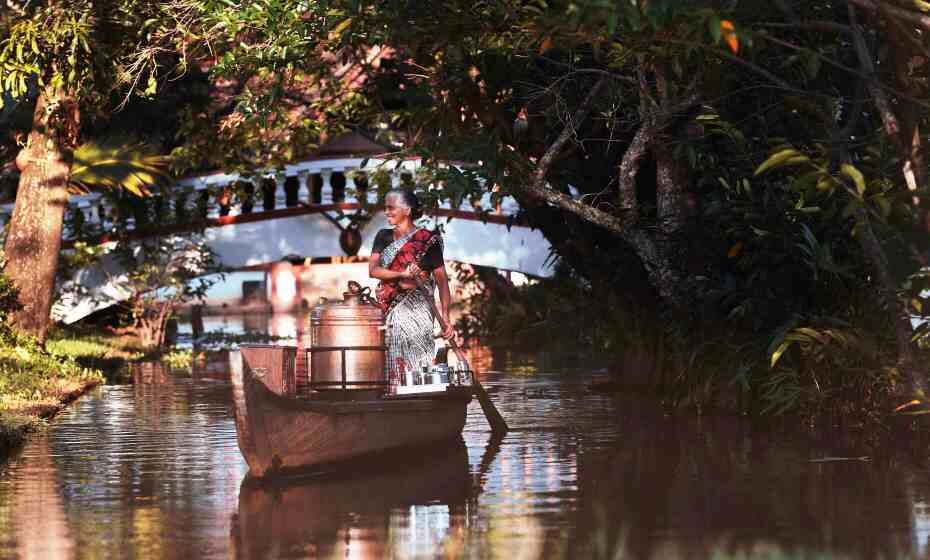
column 279, row 431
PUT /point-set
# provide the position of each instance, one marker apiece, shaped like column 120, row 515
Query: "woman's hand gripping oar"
column 493, row 416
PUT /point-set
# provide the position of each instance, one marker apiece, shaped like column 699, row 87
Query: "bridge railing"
column 312, row 183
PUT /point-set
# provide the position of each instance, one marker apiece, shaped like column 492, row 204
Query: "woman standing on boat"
column 408, row 262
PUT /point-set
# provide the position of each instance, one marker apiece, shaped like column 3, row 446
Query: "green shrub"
column 179, row 359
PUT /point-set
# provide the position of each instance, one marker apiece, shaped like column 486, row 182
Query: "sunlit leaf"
column 777, row 354
column 826, row 183
column 777, row 159
column 906, row 405
column 545, row 45
column 855, row 175
column 735, row 250
column 342, row 26
column 117, row 163
column 728, row 32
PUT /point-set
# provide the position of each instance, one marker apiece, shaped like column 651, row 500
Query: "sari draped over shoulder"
column 408, row 313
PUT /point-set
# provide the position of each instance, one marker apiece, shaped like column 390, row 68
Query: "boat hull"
column 278, row 432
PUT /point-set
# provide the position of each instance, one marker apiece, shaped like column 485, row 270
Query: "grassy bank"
column 36, row 383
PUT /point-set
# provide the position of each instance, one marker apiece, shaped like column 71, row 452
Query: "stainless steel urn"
column 347, row 343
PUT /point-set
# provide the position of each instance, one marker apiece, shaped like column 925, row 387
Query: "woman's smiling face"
column 395, row 209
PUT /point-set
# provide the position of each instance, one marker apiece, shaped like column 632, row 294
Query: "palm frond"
column 117, row 163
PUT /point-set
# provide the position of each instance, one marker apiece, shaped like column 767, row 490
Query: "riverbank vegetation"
column 735, row 194
column 36, row 381
column 839, row 363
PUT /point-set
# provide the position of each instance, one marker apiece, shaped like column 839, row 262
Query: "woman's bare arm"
column 445, row 298
column 375, row 270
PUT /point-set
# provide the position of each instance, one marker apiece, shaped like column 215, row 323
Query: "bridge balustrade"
column 200, row 199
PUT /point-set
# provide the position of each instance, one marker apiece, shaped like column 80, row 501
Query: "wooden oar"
column 498, row 425
column 493, row 416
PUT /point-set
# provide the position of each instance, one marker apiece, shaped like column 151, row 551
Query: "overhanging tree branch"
column 662, row 275
column 915, row 18
column 537, row 186
column 889, row 119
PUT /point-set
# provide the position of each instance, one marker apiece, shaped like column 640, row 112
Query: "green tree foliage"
column 163, row 273
column 650, row 141
column 744, row 169
column 76, row 59
column 277, row 85
column 119, row 164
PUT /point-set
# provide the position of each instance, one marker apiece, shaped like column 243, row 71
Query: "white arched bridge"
column 298, row 212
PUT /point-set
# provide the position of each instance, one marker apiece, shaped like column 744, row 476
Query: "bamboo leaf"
column 855, row 176
column 713, row 25
column 777, row 354
column 337, row 31
column 826, row 183
column 776, row 159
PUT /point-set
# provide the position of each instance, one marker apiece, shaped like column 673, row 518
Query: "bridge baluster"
column 83, row 214
column 224, row 200
column 352, row 188
column 303, row 187
column 102, row 217
column 338, row 181
column 212, row 203
column 363, row 192
column 240, row 197
column 203, row 204
column 326, row 193
column 291, row 191
column 280, row 194
column 86, row 203
column 316, row 188
column 266, row 186
column 159, row 208
column 181, row 213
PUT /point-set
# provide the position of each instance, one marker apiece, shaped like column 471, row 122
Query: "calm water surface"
column 152, row 470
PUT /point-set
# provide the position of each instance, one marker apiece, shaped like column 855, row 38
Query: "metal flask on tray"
column 347, row 343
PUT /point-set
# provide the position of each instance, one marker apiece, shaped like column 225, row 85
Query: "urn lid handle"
column 357, row 294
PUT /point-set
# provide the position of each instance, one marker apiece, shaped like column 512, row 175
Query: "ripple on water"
column 153, row 470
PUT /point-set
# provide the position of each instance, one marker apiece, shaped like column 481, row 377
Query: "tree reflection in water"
column 39, row 527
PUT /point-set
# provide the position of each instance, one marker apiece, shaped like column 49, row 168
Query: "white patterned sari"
column 409, row 335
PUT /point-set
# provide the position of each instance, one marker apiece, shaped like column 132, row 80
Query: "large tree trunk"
column 34, row 238
column 671, row 182
column 152, row 323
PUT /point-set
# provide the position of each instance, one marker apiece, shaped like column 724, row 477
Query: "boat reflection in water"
column 403, row 504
